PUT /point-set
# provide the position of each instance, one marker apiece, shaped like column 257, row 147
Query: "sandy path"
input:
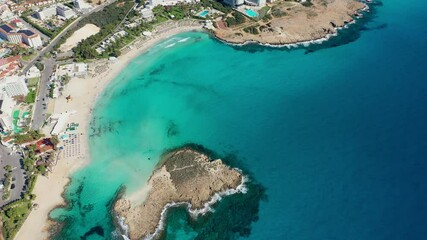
column 84, row 93
column 83, row 33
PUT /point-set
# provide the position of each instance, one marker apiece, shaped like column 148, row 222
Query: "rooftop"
column 4, row 61
column 27, row 32
column 6, row 28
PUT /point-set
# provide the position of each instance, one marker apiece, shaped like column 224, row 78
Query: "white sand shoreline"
column 84, row 92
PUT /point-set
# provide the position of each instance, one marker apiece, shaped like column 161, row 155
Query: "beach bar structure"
column 61, row 121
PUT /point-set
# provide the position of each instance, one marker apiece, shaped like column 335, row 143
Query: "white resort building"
column 10, row 87
column 72, row 70
column 81, row 5
column 146, row 14
column 46, row 13
column 14, row 86
column 59, row 10
column 65, row 12
column 5, row 14
column 17, row 35
column 6, row 109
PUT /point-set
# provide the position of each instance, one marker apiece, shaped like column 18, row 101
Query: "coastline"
column 277, row 42
column 290, row 45
column 49, row 190
column 194, row 213
column 188, row 178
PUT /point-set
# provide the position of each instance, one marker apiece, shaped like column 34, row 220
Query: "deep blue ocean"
column 333, row 138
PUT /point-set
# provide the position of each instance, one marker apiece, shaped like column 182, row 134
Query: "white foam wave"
column 241, row 188
column 184, row 40
column 303, row 43
column 170, row 45
column 124, row 229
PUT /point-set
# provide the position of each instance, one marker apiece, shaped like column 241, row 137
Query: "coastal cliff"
column 288, row 22
column 184, row 176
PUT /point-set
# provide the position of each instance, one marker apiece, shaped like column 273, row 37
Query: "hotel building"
column 9, row 33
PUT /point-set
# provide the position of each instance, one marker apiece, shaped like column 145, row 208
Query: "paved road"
column 40, row 106
column 55, row 40
column 17, row 173
column 39, row 110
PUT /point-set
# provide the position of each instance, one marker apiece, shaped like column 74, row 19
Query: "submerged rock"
column 185, row 175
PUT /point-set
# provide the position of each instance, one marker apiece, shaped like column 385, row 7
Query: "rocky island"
column 183, row 176
column 289, row 22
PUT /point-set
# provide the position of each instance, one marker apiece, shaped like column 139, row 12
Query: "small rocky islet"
column 184, row 175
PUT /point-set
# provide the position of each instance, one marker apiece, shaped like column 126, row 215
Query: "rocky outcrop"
column 290, row 22
column 185, row 175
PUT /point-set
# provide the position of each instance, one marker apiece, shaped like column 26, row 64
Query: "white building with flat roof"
column 14, row 86
column 46, row 13
column 31, row 38
column 147, row 14
column 72, row 70
column 81, row 4
column 5, row 14
column 6, row 108
column 65, row 12
column 61, row 121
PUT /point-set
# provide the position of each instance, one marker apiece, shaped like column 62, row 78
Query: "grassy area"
column 14, row 215
column 31, row 97
column 263, row 12
column 31, row 135
column 107, row 20
column 32, row 82
column 29, row 57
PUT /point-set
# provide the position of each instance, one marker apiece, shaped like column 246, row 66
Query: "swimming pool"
column 204, row 13
column 251, row 13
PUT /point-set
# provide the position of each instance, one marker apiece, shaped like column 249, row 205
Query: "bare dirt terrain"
column 79, row 35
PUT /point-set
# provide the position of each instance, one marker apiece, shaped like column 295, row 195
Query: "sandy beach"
column 84, row 93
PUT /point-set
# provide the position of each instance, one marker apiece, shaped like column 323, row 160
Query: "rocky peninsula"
column 290, row 22
column 183, row 176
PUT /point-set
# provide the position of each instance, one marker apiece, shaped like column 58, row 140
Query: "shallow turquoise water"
column 337, row 136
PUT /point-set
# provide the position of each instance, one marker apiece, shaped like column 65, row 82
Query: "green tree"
column 8, row 168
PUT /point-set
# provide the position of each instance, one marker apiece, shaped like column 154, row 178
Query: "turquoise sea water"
column 334, row 140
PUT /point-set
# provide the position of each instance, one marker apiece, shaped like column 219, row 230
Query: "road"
column 39, row 110
column 118, row 25
column 40, row 105
column 55, row 40
column 17, row 174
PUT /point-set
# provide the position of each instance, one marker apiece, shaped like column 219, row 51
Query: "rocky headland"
column 290, row 22
column 183, row 176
